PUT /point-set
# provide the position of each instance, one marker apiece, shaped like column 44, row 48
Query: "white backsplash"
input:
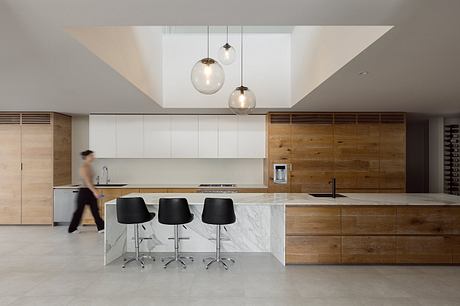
column 182, row 171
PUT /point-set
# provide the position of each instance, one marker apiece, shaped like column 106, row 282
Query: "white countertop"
column 160, row 186
column 306, row 199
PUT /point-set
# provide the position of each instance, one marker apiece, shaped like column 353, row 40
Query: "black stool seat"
column 218, row 211
column 174, row 211
column 133, row 211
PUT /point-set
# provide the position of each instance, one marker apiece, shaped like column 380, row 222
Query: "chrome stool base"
column 139, row 260
column 138, row 257
column 218, row 261
column 177, row 257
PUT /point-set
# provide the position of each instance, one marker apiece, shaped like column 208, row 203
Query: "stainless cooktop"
column 218, row 185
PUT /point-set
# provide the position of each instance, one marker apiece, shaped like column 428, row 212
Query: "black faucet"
column 333, row 183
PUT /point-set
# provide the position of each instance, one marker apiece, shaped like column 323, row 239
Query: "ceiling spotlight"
column 363, row 73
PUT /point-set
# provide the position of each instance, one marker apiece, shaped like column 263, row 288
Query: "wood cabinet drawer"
column 428, row 220
column 302, row 220
column 423, row 250
column 153, row 190
column 454, row 243
column 368, row 220
column 313, row 249
column 369, row 249
column 182, row 190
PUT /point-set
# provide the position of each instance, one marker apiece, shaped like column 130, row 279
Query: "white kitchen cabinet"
column 130, row 130
column 208, row 136
column 103, row 135
column 184, row 136
column 251, row 136
column 228, row 136
column 157, row 136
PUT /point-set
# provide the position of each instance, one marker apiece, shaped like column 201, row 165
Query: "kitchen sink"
column 326, row 195
column 110, row 185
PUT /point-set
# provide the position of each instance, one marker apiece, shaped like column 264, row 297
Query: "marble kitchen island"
column 268, row 222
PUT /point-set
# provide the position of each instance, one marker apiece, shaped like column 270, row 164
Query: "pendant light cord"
column 227, row 34
column 241, row 68
column 208, row 41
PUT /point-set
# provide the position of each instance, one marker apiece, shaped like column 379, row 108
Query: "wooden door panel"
column 368, row 220
column 368, row 249
column 423, row 221
column 303, row 220
column 423, row 250
column 10, row 174
column 313, row 249
column 153, row 190
column 37, row 174
column 454, row 243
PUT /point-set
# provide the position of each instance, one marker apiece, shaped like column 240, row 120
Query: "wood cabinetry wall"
column 365, row 152
column 372, row 235
column 35, row 156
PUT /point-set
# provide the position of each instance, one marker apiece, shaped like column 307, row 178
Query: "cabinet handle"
column 75, row 191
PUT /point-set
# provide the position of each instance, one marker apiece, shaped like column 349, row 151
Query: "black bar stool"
column 218, row 212
column 175, row 211
column 134, row 211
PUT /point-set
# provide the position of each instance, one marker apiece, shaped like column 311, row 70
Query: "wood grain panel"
column 424, row 220
column 37, row 174
column 302, row 220
column 454, row 242
column 182, row 190
column 369, row 249
column 313, row 249
column 392, row 155
column 279, row 152
column 10, row 174
column 312, row 157
column 153, row 190
column 62, row 147
column 368, row 220
column 423, row 250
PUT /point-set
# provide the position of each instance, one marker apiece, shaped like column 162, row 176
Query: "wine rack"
column 451, row 159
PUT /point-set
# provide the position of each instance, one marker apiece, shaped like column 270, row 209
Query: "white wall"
column 436, row 154
column 266, row 69
column 165, row 171
column 134, row 52
column 317, row 52
column 80, row 142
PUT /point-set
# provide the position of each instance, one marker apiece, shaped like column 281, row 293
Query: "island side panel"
column 114, row 235
column 277, row 232
column 250, row 232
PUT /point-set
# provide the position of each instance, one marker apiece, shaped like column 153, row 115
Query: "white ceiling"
column 414, row 67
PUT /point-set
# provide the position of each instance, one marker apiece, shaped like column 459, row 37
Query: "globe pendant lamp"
column 227, row 53
column 207, row 75
column 242, row 100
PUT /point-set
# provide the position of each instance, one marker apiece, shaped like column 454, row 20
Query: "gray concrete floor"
column 46, row 266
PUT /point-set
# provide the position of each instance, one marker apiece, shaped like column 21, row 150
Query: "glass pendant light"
column 227, row 53
column 242, row 100
column 207, row 75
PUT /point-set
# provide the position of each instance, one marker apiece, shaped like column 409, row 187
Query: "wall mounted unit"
column 177, row 136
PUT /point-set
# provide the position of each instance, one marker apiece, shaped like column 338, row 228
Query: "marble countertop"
column 127, row 186
column 306, row 199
